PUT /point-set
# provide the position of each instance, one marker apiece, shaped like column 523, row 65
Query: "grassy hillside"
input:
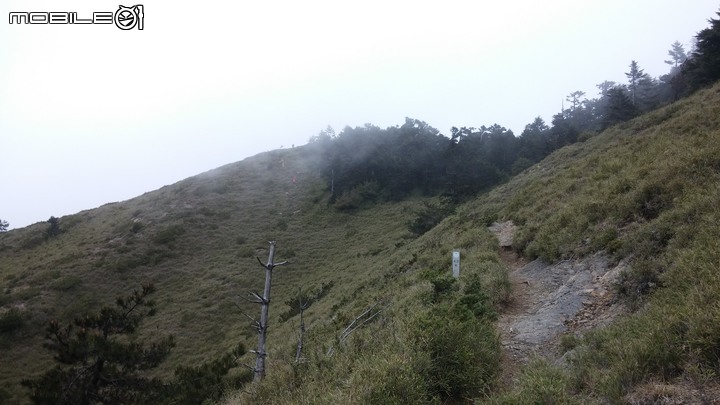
column 197, row 240
column 646, row 190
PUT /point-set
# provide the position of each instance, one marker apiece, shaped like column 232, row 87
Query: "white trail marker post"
column 456, row 263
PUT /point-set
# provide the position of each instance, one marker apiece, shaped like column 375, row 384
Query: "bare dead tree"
column 262, row 325
column 302, row 306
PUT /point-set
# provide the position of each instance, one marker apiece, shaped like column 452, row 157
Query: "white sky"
column 91, row 114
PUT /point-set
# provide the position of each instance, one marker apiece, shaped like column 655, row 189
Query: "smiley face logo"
column 126, row 18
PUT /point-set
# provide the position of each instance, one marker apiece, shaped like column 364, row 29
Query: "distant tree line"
column 618, row 102
column 368, row 163
column 702, row 67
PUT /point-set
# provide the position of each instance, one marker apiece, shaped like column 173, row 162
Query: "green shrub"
column 606, row 239
column 476, row 301
column 430, row 215
column 463, row 354
column 443, row 284
column 544, row 247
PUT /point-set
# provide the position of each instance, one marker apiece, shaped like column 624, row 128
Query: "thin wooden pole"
column 303, row 306
column 264, row 301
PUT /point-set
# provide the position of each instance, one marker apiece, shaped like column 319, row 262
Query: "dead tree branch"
column 302, row 306
column 359, row 321
column 264, row 302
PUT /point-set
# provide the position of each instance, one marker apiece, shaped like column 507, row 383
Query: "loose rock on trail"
column 549, row 300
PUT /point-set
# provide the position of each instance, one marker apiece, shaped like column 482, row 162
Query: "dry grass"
column 647, row 189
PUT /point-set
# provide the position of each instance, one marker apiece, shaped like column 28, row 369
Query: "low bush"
column 463, row 353
column 430, row 215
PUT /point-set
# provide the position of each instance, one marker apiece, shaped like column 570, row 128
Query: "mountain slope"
column 197, row 241
column 644, row 192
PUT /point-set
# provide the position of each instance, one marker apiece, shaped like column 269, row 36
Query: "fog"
column 91, row 114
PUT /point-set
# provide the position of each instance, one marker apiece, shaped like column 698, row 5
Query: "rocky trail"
column 571, row 297
column 550, row 300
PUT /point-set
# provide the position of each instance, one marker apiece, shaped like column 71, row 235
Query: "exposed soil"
column 550, row 300
column 572, row 297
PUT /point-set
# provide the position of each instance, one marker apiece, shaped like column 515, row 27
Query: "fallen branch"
column 362, row 319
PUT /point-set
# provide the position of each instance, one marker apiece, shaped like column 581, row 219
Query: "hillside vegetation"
column 648, row 191
column 367, row 221
column 645, row 191
column 371, row 252
column 197, row 241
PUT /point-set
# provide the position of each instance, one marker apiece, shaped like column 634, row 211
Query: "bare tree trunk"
column 298, row 353
column 302, row 306
column 264, row 301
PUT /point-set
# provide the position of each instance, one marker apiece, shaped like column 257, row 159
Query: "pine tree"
column 575, row 99
column 96, row 361
column 677, row 55
column 54, row 228
column 703, row 66
column 634, row 76
column 618, row 107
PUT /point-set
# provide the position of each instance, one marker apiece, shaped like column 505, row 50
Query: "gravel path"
column 549, row 300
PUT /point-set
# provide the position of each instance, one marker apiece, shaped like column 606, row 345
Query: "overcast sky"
column 91, row 114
